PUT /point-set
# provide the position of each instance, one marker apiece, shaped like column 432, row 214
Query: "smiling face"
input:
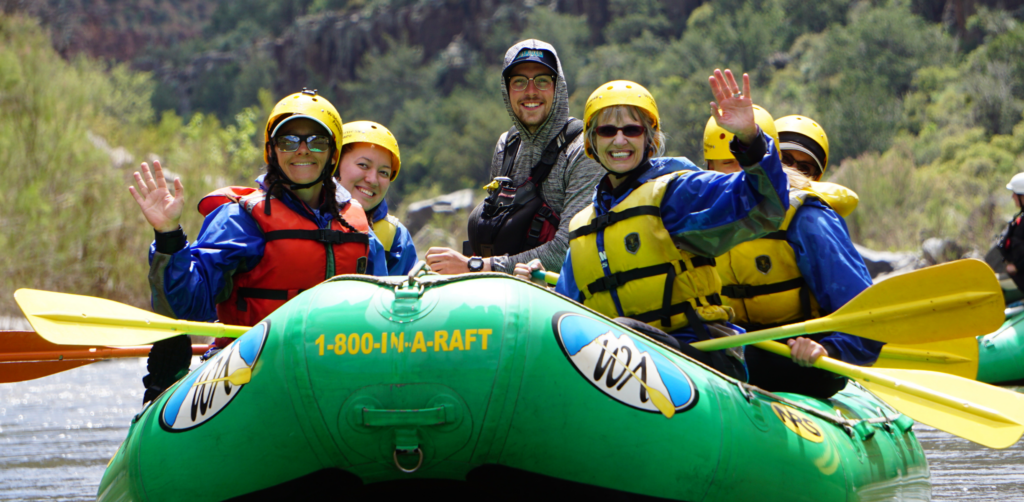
column 531, row 105
column 365, row 172
column 302, row 166
column 619, row 154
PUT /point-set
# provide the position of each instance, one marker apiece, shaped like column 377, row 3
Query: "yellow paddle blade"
column 964, row 420
column 67, row 319
column 238, row 377
column 957, row 357
column 953, row 300
column 944, row 302
column 988, row 415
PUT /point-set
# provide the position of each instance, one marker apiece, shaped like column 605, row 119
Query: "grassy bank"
column 67, row 222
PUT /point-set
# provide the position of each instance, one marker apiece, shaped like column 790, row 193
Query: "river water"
column 57, row 434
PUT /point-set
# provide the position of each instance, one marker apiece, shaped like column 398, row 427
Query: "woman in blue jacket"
column 645, row 248
column 257, row 248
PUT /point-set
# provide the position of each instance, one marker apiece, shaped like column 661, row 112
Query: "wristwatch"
column 476, row 264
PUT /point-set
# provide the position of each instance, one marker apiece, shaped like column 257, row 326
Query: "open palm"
column 161, row 208
column 732, row 109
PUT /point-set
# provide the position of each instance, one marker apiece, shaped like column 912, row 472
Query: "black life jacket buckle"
column 328, row 236
column 602, row 222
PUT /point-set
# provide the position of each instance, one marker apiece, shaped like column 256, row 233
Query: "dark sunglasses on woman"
column 630, row 131
column 316, row 143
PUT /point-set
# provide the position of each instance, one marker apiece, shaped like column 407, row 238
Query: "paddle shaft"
column 928, row 356
column 183, row 327
column 90, row 353
column 543, row 275
column 859, row 373
column 863, row 323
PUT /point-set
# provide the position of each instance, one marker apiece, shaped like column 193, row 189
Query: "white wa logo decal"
column 613, row 363
column 206, row 391
column 607, row 369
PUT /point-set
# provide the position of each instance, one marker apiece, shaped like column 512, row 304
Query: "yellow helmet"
column 364, row 131
column 305, row 104
column 796, row 130
column 621, row 92
column 716, row 139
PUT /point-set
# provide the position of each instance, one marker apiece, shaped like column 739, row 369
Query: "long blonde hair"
column 797, row 179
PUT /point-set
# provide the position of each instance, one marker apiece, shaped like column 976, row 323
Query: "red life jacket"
column 297, row 255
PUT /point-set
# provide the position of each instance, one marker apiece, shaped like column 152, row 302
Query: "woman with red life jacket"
column 370, row 161
column 259, row 247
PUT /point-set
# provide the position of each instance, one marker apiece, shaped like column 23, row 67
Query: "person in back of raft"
column 258, row 247
column 541, row 175
column 807, row 269
column 1011, row 242
column 370, row 161
column 644, row 250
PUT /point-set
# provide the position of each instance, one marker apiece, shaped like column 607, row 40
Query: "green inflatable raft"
column 996, row 358
column 1001, row 354
column 484, row 386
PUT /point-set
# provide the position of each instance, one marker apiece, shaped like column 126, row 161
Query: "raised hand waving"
column 161, row 208
column 733, row 109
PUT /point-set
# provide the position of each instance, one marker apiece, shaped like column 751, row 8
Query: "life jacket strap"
column 618, row 279
column 606, row 220
column 679, row 308
column 264, row 294
column 695, row 322
column 743, row 291
column 324, row 235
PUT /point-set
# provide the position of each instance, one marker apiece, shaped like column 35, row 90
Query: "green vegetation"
column 924, row 119
column 68, row 223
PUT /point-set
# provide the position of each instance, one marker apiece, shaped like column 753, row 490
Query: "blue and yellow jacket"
column 396, row 239
column 188, row 281
column 814, row 251
column 834, row 271
column 705, row 213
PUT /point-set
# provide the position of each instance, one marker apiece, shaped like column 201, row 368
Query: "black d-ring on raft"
column 403, row 469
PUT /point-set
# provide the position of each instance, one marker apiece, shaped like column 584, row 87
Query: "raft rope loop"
column 853, row 427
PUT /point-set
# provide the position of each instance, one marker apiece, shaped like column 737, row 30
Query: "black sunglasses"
column 630, row 131
column 316, row 143
column 805, row 166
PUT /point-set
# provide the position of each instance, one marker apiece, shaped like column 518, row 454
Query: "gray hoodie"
column 570, row 186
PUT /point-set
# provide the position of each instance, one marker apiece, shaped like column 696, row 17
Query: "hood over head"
column 559, row 113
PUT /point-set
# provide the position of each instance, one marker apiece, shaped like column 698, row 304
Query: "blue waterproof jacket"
column 834, row 271
column 188, row 281
column 705, row 212
column 402, row 255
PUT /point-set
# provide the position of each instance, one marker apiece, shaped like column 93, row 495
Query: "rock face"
column 882, row 264
column 935, row 250
column 886, row 262
column 335, row 43
column 419, row 213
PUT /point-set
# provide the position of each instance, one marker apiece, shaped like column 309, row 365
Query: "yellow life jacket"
column 654, row 281
column 842, row 200
column 760, row 278
column 385, row 229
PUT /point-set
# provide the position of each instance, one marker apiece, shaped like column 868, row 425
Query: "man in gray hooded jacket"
column 538, row 116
